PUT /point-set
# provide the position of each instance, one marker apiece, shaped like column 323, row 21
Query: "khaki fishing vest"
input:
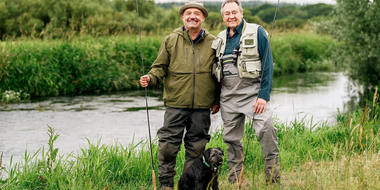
column 248, row 62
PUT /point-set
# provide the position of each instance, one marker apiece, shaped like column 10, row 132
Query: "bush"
column 356, row 25
column 301, row 52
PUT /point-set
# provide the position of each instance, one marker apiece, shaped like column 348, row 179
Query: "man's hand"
column 215, row 109
column 259, row 106
column 144, row 80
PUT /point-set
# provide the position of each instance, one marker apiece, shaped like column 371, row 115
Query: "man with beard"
column 185, row 60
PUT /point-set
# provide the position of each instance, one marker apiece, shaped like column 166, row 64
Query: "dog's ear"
column 207, row 153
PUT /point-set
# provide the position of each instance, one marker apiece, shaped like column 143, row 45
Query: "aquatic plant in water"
column 12, row 96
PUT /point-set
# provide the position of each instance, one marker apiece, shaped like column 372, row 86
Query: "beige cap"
column 193, row 4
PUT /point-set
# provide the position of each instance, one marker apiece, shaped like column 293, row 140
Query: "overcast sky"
column 269, row 1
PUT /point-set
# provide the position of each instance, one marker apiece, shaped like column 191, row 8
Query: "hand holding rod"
column 146, row 102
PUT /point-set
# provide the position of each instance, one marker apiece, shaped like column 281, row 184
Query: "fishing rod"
column 146, row 101
column 254, row 113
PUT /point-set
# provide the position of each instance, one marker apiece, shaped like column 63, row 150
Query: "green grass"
column 341, row 156
column 100, row 64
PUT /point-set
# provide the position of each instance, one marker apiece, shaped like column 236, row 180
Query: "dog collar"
column 204, row 161
column 208, row 165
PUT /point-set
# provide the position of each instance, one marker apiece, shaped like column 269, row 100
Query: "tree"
column 263, row 7
column 356, row 25
column 145, row 6
column 319, row 9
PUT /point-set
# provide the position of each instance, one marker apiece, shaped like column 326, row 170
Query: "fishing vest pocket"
column 250, row 69
column 249, row 46
column 216, row 45
column 217, row 66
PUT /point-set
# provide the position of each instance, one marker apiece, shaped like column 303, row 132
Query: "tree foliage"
column 290, row 16
column 356, row 25
column 319, row 9
column 52, row 19
column 66, row 18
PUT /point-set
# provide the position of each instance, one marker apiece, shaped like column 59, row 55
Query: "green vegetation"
column 356, row 26
column 79, row 46
column 71, row 47
column 87, row 64
column 342, row 156
column 64, row 19
column 302, row 51
column 58, row 67
column 12, row 96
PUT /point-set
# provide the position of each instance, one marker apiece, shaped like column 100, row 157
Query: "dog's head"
column 214, row 157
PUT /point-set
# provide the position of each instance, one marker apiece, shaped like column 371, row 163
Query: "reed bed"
column 99, row 64
column 341, row 156
column 58, row 67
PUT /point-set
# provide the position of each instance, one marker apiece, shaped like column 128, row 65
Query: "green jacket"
column 186, row 68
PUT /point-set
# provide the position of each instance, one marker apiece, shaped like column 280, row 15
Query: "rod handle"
column 154, row 180
column 241, row 176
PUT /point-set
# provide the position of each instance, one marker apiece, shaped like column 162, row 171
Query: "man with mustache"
column 185, row 60
column 245, row 69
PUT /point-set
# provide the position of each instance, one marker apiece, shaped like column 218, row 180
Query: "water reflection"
column 75, row 118
column 304, row 82
column 314, row 96
column 122, row 116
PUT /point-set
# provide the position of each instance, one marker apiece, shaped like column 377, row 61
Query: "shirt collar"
column 238, row 29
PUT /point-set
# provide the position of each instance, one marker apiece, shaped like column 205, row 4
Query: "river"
column 121, row 116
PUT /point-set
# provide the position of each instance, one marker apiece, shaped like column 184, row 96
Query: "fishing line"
column 254, row 113
column 146, row 101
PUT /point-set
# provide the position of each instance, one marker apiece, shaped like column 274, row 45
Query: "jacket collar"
column 185, row 34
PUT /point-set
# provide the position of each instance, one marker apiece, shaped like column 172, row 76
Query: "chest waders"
column 244, row 61
column 146, row 103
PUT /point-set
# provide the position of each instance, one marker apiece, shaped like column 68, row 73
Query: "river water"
column 121, row 117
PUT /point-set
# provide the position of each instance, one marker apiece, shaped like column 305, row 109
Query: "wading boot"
column 166, row 183
column 272, row 172
column 234, row 177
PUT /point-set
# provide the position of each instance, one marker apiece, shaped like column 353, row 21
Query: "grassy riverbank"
column 342, row 156
column 89, row 64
